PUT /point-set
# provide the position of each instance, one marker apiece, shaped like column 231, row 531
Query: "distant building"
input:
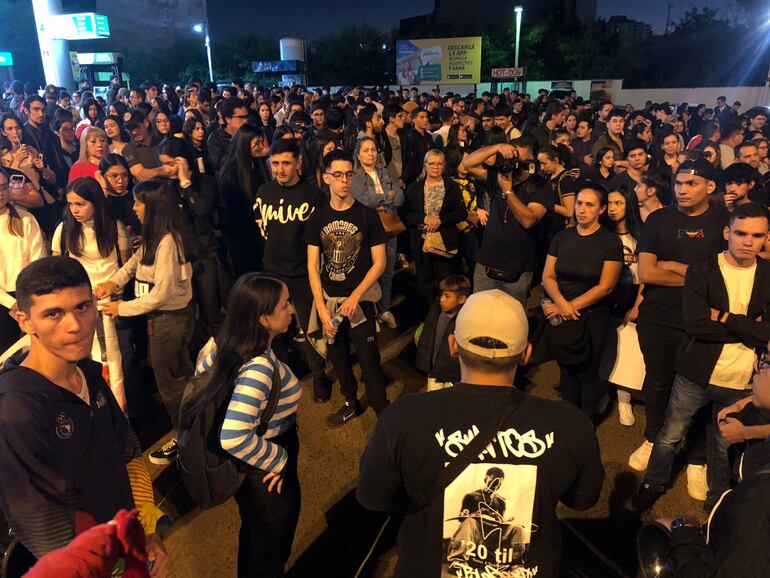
column 455, row 18
column 628, row 30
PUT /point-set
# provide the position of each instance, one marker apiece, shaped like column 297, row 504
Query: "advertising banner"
column 438, row 60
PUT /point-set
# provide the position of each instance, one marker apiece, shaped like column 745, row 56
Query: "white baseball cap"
column 493, row 314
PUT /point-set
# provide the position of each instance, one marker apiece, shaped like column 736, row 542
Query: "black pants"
column 135, row 389
column 364, row 339
column 580, row 384
column 211, row 282
column 302, row 299
column 431, row 270
column 170, row 355
column 269, row 520
column 9, row 330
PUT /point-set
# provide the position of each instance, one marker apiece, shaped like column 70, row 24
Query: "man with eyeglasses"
column 142, row 158
column 352, row 240
column 235, row 113
column 726, row 308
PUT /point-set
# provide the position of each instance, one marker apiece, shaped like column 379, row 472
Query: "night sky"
column 318, row 17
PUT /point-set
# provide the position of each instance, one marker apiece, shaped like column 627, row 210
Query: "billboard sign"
column 81, row 26
column 284, row 66
column 438, row 60
column 6, row 59
column 503, row 73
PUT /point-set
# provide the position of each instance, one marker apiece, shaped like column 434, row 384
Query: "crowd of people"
column 219, row 229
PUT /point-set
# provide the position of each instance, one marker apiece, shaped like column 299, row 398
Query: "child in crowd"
column 433, row 355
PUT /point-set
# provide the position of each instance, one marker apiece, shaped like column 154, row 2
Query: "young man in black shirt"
column 518, row 201
column 497, row 517
column 673, row 238
column 283, row 209
column 345, row 258
column 69, row 457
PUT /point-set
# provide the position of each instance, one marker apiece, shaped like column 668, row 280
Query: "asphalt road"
column 330, row 536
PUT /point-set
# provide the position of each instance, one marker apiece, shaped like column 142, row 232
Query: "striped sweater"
column 252, row 389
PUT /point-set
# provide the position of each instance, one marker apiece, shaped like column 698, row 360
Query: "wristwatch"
column 680, row 522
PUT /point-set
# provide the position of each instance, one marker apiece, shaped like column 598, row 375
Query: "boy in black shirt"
column 433, row 348
column 673, row 238
column 497, row 517
column 345, row 257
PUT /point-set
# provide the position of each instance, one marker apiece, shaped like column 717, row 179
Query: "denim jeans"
column 687, row 397
column 386, row 281
column 518, row 290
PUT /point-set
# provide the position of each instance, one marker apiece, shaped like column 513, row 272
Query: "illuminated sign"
column 96, row 58
column 435, row 60
column 6, row 59
column 81, row 26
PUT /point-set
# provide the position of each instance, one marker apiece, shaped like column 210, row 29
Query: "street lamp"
column 204, row 29
column 518, row 10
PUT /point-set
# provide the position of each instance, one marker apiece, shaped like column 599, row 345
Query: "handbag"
column 391, row 222
column 433, row 244
column 422, row 498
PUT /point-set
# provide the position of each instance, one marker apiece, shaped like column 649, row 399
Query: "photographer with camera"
column 519, row 198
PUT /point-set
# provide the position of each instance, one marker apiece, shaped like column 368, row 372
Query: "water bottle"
column 556, row 320
column 337, row 320
column 133, row 239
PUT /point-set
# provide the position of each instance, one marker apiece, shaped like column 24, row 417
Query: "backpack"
column 210, row 474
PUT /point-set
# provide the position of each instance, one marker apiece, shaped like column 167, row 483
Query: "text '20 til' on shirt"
column 499, row 515
column 345, row 239
column 580, row 258
column 249, row 399
column 16, row 252
column 283, row 214
column 671, row 235
column 166, row 285
column 99, row 269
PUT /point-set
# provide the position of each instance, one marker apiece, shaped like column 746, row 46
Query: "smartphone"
column 16, row 182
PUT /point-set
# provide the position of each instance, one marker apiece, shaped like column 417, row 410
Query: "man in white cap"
column 546, row 451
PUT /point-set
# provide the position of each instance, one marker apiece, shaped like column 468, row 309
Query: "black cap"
column 133, row 119
column 699, row 167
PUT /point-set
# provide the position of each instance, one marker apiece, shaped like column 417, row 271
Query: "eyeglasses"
column 339, row 175
column 435, row 164
column 117, row 176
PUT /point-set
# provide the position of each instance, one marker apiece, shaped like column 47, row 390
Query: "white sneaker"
column 697, row 486
column 638, row 460
column 626, row 414
column 387, row 318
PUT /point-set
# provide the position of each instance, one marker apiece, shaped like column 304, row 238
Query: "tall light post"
column 518, row 10
column 205, row 29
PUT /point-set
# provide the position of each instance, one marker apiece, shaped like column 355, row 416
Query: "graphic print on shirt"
column 690, row 234
column 264, row 213
column 142, row 288
column 341, row 242
column 488, row 509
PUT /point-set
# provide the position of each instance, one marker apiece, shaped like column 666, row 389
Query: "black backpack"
column 210, row 474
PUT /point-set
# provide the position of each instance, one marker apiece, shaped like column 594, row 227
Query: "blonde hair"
column 429, row 154
column 87, row 132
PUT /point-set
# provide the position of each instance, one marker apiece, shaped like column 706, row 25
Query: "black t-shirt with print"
column 345, row 238
column 283, row 214
column 580, row 258
column 506, row 245
column 671, row 235
column 499, row 515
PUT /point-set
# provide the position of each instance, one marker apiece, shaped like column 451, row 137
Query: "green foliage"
column 354, row 55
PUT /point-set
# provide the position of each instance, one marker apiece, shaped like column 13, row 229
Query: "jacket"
column 704, row 289
column 453, row 211
column 362, row 189
column 413, row 154
column 447, row 368
column 387, row 148
column 64, row 463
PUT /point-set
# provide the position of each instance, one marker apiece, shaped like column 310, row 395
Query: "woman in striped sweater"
column 269, row 499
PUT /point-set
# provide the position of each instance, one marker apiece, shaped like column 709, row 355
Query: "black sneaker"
column 322, row 390
column 344, row 414
column 645, row 497
column 165, row 455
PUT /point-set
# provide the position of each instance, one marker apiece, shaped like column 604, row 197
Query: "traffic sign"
column 500, row 73
column 6, row 59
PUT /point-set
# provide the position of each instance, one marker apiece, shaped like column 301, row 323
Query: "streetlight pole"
column 205, row 29
column 518, row 10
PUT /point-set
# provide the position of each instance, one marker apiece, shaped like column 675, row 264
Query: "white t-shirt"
column 736, row 363
column 99, row 269
column 377, row 183
column 17, row 252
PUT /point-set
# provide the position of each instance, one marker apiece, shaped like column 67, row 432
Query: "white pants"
column 114, row 361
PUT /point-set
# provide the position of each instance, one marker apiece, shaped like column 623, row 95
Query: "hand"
column 431, row 223
column 507, row 151
column 273, row 480
column 631, row 316
column 105, row 289
column 574, row 173
column 733, row 430
column 732, row 408
column 183, row 169
column 568, row 311
column 38, row 162
column 551, row 310
column 168, row 170
column 588, row 160
column 326, row 319
column 110, row 308
column 505, row 182
column 483, row 216
column 157, row 555
column 730, row 199
column 349, row 306
column 49, row 175
column 21, row 155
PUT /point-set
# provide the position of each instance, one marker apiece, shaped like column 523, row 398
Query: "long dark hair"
column 15, row 224
column 242, row 335
column 240, row 160
column 111, row 160
column 187, row 129
column 177, row 147
column 163, row 215
column 633, row 217
column 104, row 226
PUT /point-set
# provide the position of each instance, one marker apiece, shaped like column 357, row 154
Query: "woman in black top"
column 581, row 270
column 604, row 166
column 267, row 121
column 433, row 204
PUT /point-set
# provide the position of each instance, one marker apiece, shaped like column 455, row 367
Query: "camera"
column 508, row 166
